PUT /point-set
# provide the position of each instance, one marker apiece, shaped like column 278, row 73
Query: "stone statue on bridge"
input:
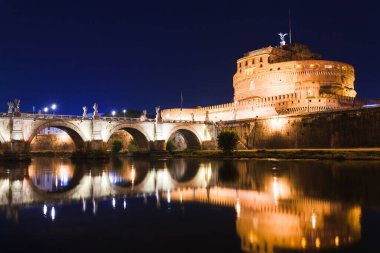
column 84, row 112
column 17, row 108
column 192, row 117
column 96, row 113
column 10, row 107
column 143, row 116
column 158, row 115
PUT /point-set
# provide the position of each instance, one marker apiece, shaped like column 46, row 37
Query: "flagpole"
column 180, row 112
column 181, row 100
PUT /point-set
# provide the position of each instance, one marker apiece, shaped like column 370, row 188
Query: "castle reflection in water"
column 278, row 205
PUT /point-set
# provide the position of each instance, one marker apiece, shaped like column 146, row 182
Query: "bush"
column 228, row 172
column 170, row 146
column 117, row 146
column 133, row 146
column 228, row 140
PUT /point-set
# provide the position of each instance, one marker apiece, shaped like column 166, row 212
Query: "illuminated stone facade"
column 279, row 80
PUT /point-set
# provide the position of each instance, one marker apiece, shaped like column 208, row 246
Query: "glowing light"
column 208, row 174
column 181, row 196
column 52, row 213
column 93, row 206
column 277, row 123
column 237, row 207
column 113, row 113
column 53, row 107
column 45, row 209
column 303, row 242
column 124, row 111
column 168, row 197
column 336, row 240
column 313, row 220
column 64, row 175
column 125, row 204
column 46, row 110
column 317, row 243
column 113, row 203
column 276, row 190
column 133, row 175
column 83, row 205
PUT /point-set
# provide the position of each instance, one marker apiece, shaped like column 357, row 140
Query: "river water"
column 189, row 205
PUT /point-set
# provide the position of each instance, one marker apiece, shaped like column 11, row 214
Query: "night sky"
column 139, row 54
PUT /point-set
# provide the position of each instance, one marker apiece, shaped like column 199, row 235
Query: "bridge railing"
column 107, row 118
column 61, row 116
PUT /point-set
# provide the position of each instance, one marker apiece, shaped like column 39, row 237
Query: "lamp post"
column 46, row 110
column 124, row 111
column 113, row 113
column 53, row 107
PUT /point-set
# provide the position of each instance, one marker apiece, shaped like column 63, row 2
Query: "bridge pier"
column 96, row 146
column 209, row 145
column 157, row 146
column 95, row 149
column 16, row 150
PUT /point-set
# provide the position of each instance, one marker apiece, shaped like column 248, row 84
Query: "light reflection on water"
column 278, row 204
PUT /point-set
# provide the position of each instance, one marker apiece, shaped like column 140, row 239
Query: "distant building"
column 279, row 80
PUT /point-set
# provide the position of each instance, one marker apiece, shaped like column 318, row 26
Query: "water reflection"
column 278, row 205
column 51, row 174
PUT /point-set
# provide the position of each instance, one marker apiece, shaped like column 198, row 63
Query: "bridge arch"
column 2, row 140
column 188, row 134
column 137, row 132
column 71, row 129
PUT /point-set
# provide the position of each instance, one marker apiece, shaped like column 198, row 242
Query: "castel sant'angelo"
column 288, row 79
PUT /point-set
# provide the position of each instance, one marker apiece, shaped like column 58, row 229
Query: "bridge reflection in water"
column 276, row 206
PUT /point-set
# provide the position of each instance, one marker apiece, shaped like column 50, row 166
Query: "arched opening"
column 133, row 140
column 56, row 138
column 54, row 175
column 183, row 170
column 183, row 139
column 126, row 172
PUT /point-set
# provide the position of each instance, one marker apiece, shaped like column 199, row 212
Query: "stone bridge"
column 89, row 134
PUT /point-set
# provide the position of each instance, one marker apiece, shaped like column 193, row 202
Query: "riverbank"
column 321, row 154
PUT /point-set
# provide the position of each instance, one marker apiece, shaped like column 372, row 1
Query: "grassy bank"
column 323, row 154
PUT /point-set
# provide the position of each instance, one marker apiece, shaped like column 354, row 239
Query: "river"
column 189, row 205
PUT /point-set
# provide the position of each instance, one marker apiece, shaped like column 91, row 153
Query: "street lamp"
column 124, row 111
column 46, row 110
column 53, row 107
column 113, row 113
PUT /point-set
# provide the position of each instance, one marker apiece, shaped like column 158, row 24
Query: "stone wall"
column 52, row 142
column 338, row 129
column 122, row 136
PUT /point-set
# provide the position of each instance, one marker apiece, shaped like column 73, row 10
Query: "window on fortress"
column 278, row 68
column 246, row 63
column 253, row 61
column 261, row 59
column 261, row 65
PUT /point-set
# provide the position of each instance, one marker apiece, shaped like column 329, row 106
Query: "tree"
column 133, row 146
column 170, row 146
column 228, row 140
column 117, row 146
